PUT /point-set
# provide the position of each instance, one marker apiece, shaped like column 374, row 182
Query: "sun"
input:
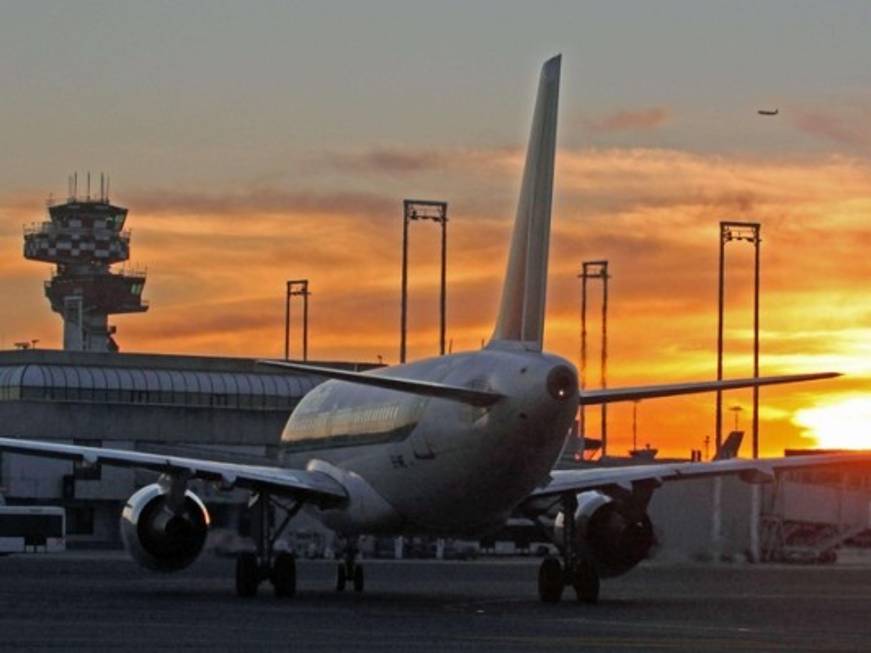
column 842, row 425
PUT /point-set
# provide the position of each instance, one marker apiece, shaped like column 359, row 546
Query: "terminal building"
column 181, row 405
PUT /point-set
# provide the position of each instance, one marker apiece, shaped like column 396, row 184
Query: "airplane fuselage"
column 431, row 465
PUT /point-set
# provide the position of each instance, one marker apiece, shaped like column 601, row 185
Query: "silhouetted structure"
column 85, row 238
column 414, row 211
column 594, row 270
column 296, row 288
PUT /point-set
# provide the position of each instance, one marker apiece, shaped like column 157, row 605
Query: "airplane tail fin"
column 730, row 447
column 521, row 314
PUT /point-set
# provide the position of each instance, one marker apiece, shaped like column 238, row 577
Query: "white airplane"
column 446, row 446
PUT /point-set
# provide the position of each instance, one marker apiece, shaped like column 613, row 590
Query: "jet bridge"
column 807, row 516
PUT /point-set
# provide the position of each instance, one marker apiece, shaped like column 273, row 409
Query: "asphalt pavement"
column 93, row 601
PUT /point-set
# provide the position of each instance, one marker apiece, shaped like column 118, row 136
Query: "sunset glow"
column 844, row 424
column 217, row 266
column 244, row 167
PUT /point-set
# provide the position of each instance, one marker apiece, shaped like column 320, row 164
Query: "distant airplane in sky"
column 450, row 446
column 768, row 112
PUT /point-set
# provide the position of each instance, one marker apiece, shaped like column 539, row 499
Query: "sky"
column 258, row 142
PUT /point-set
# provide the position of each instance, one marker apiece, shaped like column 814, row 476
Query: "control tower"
column 84, row 238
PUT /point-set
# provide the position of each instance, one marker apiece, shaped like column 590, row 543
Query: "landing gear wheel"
column 585, row 580
column 341, row 577
column 247, row 575
column 550, row 580
column 266, row 564
column 284, row 575
column 358, row 578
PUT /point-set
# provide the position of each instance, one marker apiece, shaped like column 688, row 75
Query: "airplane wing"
column 313, row 487
column 609, row 395
column 652, row 476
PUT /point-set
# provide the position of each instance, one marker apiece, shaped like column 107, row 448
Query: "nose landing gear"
column 349, row 570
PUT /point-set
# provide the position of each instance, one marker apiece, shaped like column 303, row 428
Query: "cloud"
column 258, row 201
column 206, row 318
column 387, row 160
column 638, row 119
column 218, row 262
column 835, row 128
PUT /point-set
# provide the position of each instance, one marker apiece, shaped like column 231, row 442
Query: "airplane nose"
column 562, row 384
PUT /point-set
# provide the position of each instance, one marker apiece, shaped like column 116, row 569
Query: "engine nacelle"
column 615, row 535
column 160, row 538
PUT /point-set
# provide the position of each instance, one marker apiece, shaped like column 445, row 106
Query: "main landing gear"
column 575, row 570
column 349, row 570
column 266, row 564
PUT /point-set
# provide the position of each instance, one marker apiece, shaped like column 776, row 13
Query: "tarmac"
column 87, row 601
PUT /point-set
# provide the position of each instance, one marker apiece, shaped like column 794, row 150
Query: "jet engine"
column 162, row 537
column 616, row 535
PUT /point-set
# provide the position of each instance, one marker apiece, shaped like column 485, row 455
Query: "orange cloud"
column 837, row 129
column 258, row 201
column 638, row 119
column 387, row 160
column 218, row 263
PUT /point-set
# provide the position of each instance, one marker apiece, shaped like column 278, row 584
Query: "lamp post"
column 413, row 211
column 296, row 288
column 739, row 232
column 635, row 424
column 594, row 270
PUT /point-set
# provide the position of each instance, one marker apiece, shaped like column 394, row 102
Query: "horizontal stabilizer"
column 426, row 388
column 609, row 395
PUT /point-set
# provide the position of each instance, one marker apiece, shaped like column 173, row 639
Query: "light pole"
column 296, row 288
column 635, row 424
column 747, row 232
column 736, row 411
column 594, row 270
column 415, row 210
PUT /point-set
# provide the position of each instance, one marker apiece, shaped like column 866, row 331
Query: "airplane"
column 768, row 112
column 731, row 445
column 447, row 446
